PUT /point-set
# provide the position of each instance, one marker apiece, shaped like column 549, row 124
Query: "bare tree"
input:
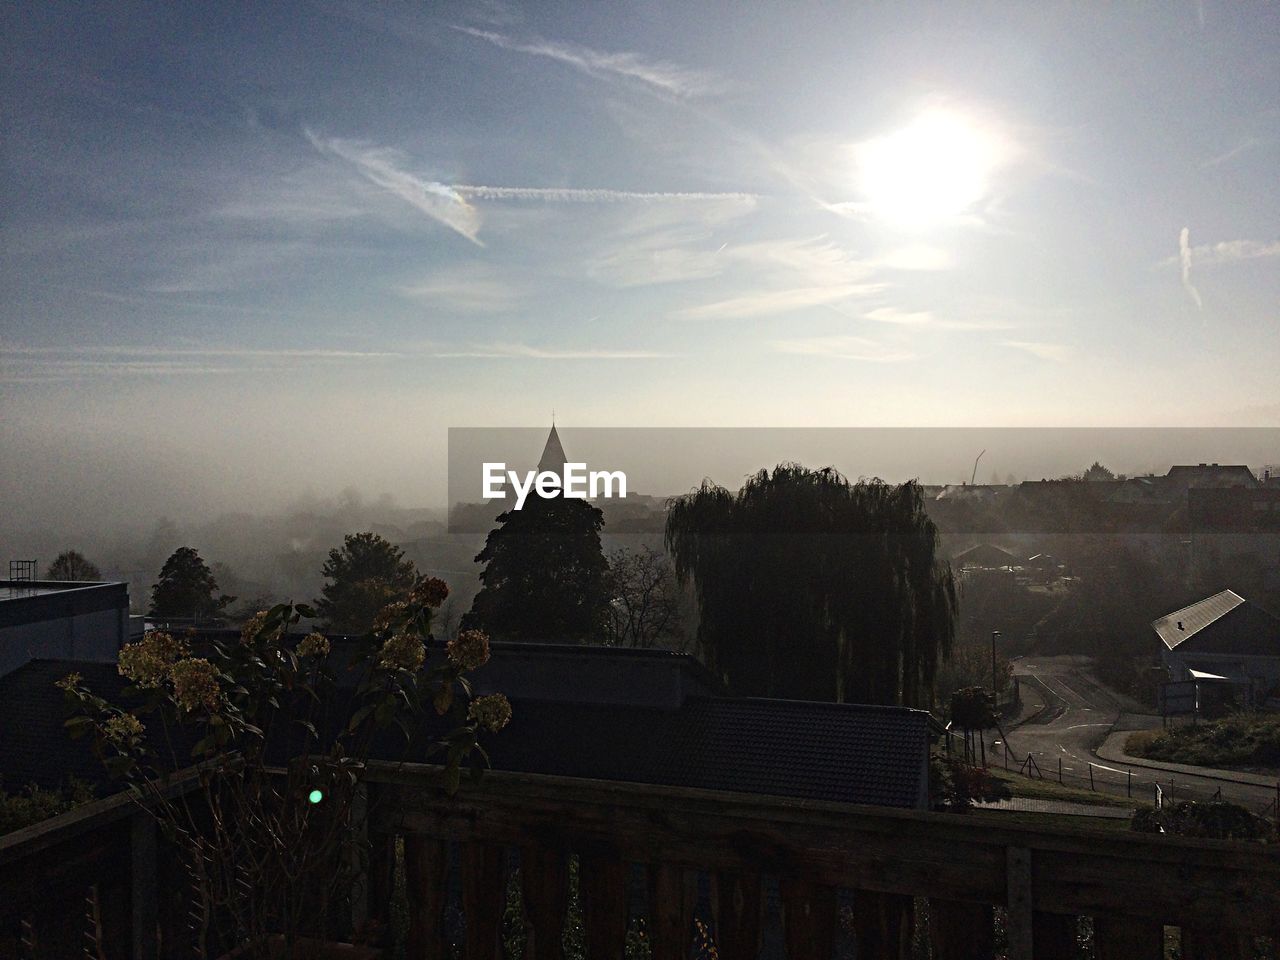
column 644, row 608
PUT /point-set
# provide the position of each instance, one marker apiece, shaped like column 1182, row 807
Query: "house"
column 985, row 556
column 61, row 619
column 1223, row 638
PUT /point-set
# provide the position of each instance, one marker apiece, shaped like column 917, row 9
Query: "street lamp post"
column 994, row 636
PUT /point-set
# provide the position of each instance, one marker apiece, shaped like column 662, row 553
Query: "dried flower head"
column 403, row 652
column 469, row 649
column 69, row 682
column 390, row 615
column 148, row 661
column 313, row 645
column 429, row 592
column 195, row 684
column 249, row 632
column 492, row 712
column 122, row 728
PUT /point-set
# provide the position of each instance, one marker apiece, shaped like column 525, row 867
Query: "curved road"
column 1079, row 714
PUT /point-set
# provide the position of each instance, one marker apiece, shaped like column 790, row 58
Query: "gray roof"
column 668, row 730
column 1223, row 623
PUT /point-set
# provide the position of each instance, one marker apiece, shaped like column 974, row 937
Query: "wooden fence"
column 93, row 881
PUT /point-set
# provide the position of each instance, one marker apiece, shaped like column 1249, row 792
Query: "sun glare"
column 934, row 169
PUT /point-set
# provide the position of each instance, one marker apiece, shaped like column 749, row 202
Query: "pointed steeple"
column 553, row 456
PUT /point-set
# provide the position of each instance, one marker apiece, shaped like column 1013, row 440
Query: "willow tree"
column 809, row 586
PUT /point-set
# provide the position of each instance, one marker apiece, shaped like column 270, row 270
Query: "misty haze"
column 931, row 609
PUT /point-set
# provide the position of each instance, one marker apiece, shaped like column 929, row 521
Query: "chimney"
column 1180, row 626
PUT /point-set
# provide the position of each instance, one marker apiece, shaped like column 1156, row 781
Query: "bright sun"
column 932, row 170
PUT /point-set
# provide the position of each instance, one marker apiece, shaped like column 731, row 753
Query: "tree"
column 186, row 588
column 811, row 587
column 72, row 565
column 644, row 604
column 364, row 575
column 545, row 574
column 1098, row 472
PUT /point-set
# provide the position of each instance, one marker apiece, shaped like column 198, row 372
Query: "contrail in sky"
column 1184, row 257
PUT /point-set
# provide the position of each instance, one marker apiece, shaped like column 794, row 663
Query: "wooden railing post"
column 483, row 896
column 735, row 910
column 1055, row 936
column 882, row 924
column 809, row 920
column 602, row 888
column 426, row 873
column 1018, row 924
column 672, row 893
column 961, row 931
column 544, row 883
column 382, row 864
column 144, row 889
column 1126, row 938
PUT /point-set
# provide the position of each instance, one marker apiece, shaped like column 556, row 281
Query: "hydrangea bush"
column 278, row 746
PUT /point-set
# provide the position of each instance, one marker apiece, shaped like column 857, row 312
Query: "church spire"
column 553, row 456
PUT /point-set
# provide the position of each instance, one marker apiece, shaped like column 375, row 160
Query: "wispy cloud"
column 767, row 302
column 451, row 204
column 27, row 364
column 1230, row 251
column 1041, row 350
column 384, row 168
column 926, row 318
column 784, row 275
column 661, row 75
column 1231, row 154
column 594, row 195
column 844, row 348
column 466, row 288
column 525, row 352
column 1184, row 259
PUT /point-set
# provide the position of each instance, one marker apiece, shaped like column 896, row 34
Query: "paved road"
column 1080, row 712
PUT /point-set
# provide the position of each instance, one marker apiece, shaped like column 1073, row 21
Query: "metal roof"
column 1223, row 623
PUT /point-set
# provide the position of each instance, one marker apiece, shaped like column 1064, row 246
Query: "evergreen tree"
column 545, row 575
column 186, row 588
column 364, row 575
column 72, row 565
column 811, row 587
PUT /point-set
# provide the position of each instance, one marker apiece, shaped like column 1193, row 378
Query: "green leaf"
column 359, row 717
column 305, row 610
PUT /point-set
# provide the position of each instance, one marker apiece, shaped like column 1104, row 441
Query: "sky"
column 248, row 251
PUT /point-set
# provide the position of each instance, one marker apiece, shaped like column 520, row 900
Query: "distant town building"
column 984, row 556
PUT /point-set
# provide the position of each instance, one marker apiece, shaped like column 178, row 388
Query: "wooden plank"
column 961, row 931
column 1124, row 938
column 483, row 897
column 671, row 911
column 736, row 909
column 809, row 919
column 1200, row 943
column 381, row 880
column 1055, row 936
column 883, row 924
column 1018, row 903
column 602, row 889
column 544, row 883
column 426, row 873
column 145, row 890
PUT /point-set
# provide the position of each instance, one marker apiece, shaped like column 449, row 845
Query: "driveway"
column 1079, row 714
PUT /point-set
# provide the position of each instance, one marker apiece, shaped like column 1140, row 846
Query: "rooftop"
column 1223, row 623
